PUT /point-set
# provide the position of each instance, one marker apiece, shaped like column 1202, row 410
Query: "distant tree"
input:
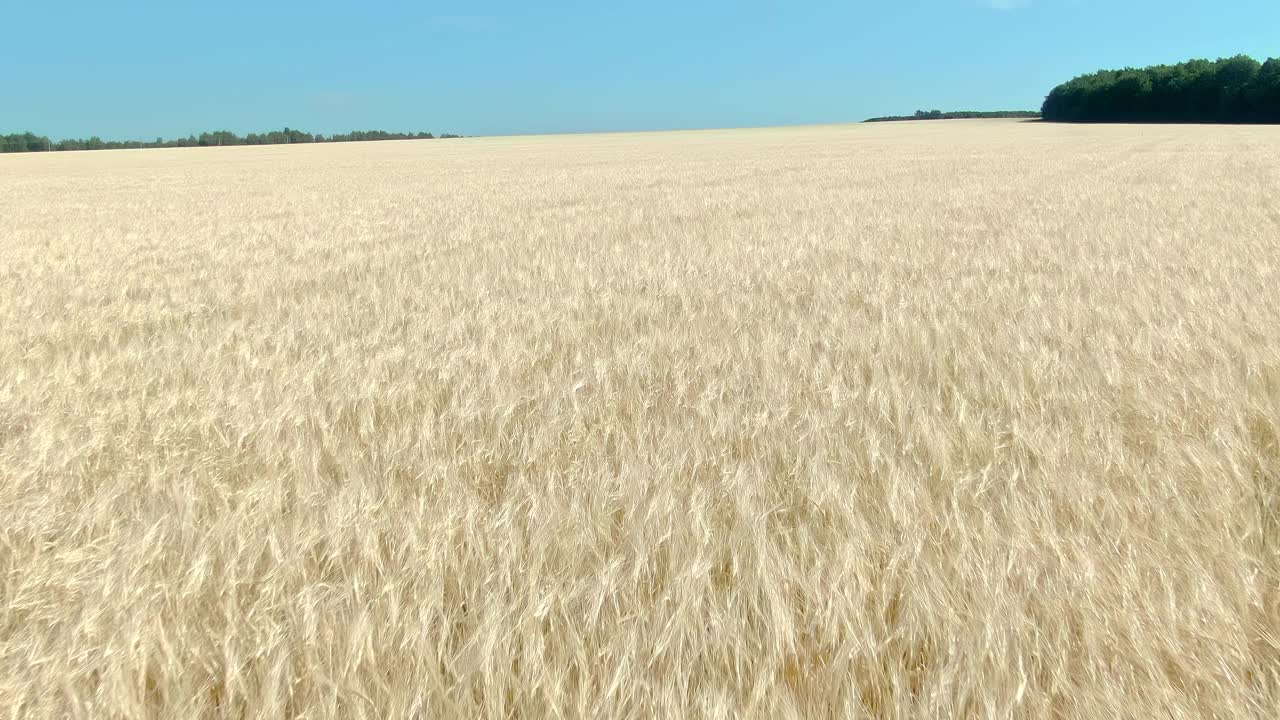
column 1226, row 90
column 24, row 142
column 29, row 142
column 958, row 115
column 1266, row 92
column 219, row 138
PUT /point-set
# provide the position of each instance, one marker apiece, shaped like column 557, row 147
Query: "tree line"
column 960, row 115
column 1230, row 90
column 30, row 142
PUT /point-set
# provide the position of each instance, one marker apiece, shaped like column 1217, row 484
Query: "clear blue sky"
column 137, row 70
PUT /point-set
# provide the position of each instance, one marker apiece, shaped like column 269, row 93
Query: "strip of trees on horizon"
column 30, row 142
column 1238, row 89
column 958, row 115
column 1229, row 90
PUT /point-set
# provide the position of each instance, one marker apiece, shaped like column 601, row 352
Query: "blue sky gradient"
column 137, row 70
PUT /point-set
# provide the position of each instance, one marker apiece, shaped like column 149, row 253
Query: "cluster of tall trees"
column 960, row 115
column 1230, row 90
column 29, row 142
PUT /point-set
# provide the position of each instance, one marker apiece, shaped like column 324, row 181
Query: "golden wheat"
column 967, row 419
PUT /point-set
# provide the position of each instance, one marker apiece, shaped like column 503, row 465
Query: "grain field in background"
column 963, row 419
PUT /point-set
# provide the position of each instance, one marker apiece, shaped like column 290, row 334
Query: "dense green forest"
column 1231, row 90
column 28, row 142
column 961, row 115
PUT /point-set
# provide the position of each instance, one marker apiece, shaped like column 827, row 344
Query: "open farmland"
column 954, row 419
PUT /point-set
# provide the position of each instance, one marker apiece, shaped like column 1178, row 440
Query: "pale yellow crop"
column 925, row 420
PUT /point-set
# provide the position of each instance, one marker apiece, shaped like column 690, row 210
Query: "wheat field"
column 924, row 420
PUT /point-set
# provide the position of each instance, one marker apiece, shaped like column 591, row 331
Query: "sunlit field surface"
column 922, row 420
